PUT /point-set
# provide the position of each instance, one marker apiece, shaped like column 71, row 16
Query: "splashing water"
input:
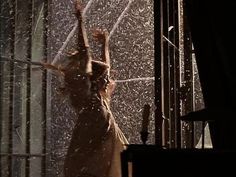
column 71, row 34
column 120, row 18
column 132, row 55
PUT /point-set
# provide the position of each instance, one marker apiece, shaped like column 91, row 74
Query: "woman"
column 97, row 141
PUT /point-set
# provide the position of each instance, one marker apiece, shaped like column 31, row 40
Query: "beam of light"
column 120, row 18
column 70, row 35
column 135, row 79
column 39, row 18
column 6, row 59
column 170, row 42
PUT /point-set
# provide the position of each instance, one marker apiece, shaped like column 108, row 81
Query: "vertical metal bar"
column 176, row 68
column 44, row 87
column 179, row 22
column 165, row 76
column 171, row 29
column 11, row 89
column 167, row 58
column 28, row 85
column 1, row 76
column 158, row 76
column 193, row 98
column 173, row 69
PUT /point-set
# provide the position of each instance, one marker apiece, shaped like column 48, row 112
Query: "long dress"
column 96, row 143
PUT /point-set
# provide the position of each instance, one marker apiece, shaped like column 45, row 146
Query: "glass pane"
column 18, row 166
column 5, row 100
column 36, row 123
column 6, row 42
column 22, row 26
column 36, row 167
column 19, row 109
column 4, row 166
column 37, row 31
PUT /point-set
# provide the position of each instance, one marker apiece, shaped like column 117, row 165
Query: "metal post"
column 1, row 77
column 176, row 74
column 28, row 86
column 158, row 71
column 173, row 35
column 44, row 88
column 165, row 75
column 11, row 90
column 171, row 76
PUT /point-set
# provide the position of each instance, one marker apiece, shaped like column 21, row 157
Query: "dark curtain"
column 212, row 25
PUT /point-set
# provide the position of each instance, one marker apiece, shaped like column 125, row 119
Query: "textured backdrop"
column 132, row 56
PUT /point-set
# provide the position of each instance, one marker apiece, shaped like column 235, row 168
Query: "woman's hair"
column 100, row 78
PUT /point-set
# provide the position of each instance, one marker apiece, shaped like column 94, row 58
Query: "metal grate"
column 178, row 89
column 23, row 88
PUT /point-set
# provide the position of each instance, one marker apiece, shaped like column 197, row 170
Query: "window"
column 23, row 88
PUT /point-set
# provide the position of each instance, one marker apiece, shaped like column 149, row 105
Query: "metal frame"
column 12, row 61
column 167, row 72
column 175, row 77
